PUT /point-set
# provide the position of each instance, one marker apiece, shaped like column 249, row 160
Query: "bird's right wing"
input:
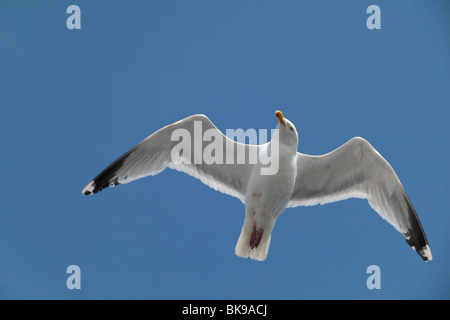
column 357, row 170
column 156, row 152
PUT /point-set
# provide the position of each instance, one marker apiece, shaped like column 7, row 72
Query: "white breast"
column 271, row 193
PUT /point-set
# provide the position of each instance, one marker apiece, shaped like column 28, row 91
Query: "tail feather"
column 247, row 247
column 244, row 250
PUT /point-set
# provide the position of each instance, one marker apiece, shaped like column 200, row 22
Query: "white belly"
column 269, row 194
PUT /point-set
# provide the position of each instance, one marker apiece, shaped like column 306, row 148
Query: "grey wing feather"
column 357, row 170
column 154, row 154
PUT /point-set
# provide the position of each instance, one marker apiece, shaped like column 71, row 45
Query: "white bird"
column 354, row 170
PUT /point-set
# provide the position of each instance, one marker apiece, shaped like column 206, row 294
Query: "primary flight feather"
column 354, row 170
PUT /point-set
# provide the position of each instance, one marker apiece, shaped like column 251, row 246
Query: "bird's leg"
column 255, row 237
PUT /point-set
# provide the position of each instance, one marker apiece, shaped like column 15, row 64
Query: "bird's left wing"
column 357, row 170
column 228, row 174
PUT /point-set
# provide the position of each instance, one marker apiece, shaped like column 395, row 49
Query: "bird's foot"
column 255, row 237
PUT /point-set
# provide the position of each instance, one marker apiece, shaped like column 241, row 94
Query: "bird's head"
column 288, row 132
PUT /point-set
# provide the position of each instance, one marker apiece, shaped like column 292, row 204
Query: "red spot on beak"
column 280, row 117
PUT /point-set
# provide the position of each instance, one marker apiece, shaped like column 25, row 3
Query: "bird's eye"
column 291, row 128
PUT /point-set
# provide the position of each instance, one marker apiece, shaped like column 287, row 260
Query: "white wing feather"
column 357, row 170
column 153, row 155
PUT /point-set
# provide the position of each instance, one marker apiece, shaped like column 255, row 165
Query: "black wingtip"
column 107, row 177
column 93, row 187
column 415, row 237
column 425, row 253
column 89, row 189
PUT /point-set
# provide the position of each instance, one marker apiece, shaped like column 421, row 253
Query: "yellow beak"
column 280, row 117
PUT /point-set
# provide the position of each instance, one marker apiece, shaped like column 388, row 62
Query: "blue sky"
column 72, row 101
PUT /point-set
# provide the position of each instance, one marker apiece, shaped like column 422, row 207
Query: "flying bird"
column 354, row 170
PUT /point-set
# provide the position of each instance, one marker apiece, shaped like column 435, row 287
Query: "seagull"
column 354, row 170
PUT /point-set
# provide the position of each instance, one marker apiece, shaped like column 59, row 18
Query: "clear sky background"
column 72, row 101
